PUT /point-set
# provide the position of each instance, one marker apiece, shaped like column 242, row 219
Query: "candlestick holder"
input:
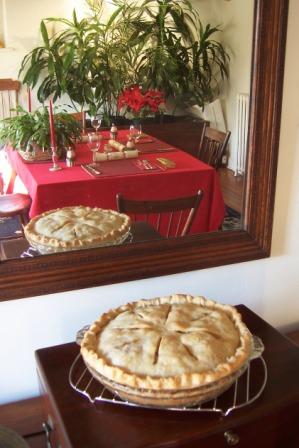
column 55, row 166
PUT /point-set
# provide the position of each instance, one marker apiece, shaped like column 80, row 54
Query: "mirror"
column 41, row 275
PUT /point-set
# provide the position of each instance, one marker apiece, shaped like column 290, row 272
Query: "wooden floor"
column 232, row 188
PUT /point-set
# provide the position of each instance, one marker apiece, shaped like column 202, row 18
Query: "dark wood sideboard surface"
column 182, row 132
column 272, row 421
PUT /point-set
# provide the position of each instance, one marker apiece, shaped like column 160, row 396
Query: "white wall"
column 237, row 35
column 235, row 19
column 21, row 31
column 1, row 23
column 269, row 287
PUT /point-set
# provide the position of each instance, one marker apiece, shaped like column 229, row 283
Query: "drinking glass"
column 94, row 143
column 139, row 131
column 135, row 131
column 96, row 122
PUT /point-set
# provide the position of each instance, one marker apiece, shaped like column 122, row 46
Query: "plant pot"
column 34, row 153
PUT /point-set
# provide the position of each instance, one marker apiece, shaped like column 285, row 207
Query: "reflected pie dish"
column 78, row 227
column 169, row 351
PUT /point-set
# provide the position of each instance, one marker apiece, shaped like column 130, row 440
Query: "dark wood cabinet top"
column 106, row 425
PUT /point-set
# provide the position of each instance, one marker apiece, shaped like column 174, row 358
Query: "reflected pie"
column 168, row 351
column 78, row 227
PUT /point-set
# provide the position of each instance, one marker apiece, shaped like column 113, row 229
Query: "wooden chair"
column 174, row 215
column 9, row 91
column 212, row 146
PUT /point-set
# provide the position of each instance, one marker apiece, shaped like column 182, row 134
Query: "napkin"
column 115, row 155
column 116, row 145
column 166, row 163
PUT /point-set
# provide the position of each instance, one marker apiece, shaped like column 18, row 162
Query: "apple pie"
column 78, row 227
column 169, row 351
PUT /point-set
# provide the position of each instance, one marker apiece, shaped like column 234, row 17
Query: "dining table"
column 142, row 178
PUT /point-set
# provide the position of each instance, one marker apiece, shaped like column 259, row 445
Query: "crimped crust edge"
column 43, row 240
column 185, row 381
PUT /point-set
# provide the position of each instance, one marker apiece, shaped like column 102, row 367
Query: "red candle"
column 52, row 127
column 29, row 99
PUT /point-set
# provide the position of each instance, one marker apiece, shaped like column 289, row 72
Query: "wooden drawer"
column 53, row 429
column 279, row 430
column 274, row 431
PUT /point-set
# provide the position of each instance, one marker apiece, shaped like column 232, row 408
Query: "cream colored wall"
column 269, row 286
column 1, row 23
column 235, row 18
column 21, row 33
column 237, row 35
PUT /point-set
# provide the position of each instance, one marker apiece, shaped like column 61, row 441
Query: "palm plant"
column 62, row 64
column 158, row 44
column 177, row 53
column 86, row 60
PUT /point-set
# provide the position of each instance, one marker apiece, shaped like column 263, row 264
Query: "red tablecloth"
column 73, row 186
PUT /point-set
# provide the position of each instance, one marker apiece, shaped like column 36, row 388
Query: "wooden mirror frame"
column 83, row 269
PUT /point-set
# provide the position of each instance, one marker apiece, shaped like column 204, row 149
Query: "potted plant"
column 29, row 132
column 85, row 61
column 138, row 104
column 157, row 44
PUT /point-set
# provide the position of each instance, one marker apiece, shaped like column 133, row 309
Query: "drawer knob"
column 231, row 438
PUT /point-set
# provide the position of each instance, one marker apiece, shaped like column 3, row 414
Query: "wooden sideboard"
column 183, row 132
column 270, row 422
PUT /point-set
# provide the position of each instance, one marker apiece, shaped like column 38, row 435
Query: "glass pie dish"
column 169, row 398
column 175, row 351
column 76, row 228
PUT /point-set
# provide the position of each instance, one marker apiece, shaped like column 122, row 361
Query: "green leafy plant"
column 157, row 44
column 178, row 54
column 84, row 60
column 26, row 129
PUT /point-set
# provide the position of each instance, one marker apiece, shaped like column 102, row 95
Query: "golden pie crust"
column 78, row 227
column 167, row 350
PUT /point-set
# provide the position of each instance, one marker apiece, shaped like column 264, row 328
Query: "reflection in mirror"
column 169, row 160
column 26, row 278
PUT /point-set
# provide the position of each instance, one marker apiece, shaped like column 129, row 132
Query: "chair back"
column 212, row 146
column 172, row 217
column 9, row 91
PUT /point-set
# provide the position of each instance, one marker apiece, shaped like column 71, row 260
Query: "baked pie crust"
column 78, row 227
column 167, row 351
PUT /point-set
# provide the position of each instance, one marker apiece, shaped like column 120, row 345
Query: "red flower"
column 136, row 102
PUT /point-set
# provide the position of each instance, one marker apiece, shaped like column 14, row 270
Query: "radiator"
column 242, row 132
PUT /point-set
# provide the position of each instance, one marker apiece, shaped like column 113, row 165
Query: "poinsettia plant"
column 140, row 104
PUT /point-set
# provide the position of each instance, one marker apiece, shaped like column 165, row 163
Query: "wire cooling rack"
column 244, row 391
